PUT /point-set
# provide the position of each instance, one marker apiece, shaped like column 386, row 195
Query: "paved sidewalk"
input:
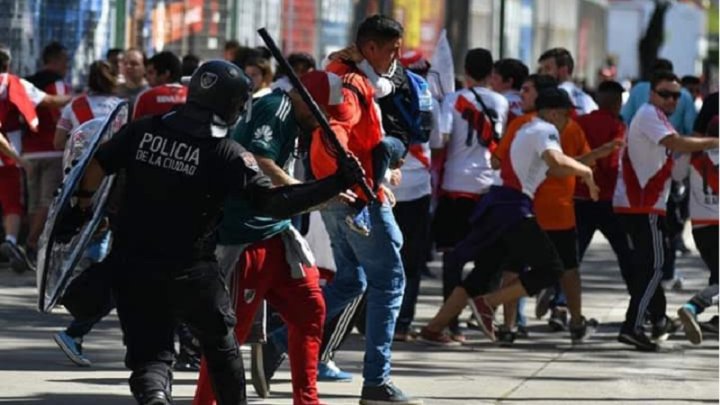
column 544, row 369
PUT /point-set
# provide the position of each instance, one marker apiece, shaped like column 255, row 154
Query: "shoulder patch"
column 553, row 137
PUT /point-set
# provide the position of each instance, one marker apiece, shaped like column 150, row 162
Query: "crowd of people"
column 513, row 172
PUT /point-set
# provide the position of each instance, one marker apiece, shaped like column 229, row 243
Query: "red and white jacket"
column 18, row 99
column 643, row 183
column 702, row 169
column 85, row 107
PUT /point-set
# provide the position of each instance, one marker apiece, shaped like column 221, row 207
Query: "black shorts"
column 565, row 242
column 450, row 223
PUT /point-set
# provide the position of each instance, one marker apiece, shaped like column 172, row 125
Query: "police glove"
column 72, row 219
column 350, row 171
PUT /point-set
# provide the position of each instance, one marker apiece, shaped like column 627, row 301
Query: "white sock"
column 11, row 239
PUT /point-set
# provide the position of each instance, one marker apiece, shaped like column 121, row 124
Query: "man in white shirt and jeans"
column 640, row 197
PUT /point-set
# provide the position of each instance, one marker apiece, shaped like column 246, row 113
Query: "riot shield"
column 57, row 261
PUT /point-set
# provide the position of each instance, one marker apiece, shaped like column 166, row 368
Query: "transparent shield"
column 57, row 263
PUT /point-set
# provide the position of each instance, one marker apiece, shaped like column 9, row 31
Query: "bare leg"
column 450, row 309
column 506, row 294
column 12, row 225
column 510, row 307
column 36, row 226
column 570, row 282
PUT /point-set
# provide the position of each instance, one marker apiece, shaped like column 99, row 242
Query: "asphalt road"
column 542, row 369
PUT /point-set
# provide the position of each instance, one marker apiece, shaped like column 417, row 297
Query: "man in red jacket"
column 163, row 74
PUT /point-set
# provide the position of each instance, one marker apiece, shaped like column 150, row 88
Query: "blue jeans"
column 88, row 298
column 365, row 262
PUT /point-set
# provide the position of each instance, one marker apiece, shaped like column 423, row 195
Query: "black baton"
column 297, row 84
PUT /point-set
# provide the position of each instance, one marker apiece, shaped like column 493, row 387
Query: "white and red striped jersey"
column 159, row 100
column 702, row 170
column 467, row 166
column 643, row 183
column 85, row 107
column 525, row 169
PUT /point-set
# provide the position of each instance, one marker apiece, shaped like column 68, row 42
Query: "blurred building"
column 18, row 18
column 591, row 29
column 531, row 26
column 684, row 35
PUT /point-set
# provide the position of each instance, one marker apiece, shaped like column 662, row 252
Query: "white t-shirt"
column 703, row 199
column 36, row 97
column 525, row 169
column 584, row 104
column 647, row 156
column 467, row 168
column 514, row 102
column 416, row 174
column 100, row 105
column 319, row 242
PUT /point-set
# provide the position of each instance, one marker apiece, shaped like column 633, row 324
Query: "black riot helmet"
column 222, row 88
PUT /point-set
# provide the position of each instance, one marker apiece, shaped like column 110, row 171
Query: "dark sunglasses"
column 667, row 94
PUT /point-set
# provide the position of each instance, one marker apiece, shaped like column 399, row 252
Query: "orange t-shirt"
column 553, row 203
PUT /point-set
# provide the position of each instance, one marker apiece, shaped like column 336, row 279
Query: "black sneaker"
column 558, row 319
column 580, row 333
column 386, row 394
column 187, row 361
column 710, row 326
column 19, row 260
column 154, row 398
column 505, row 336
column 662, row 329
column 542, row 301
column 639, row 340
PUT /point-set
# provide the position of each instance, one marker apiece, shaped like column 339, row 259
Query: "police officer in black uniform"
column 180, row 167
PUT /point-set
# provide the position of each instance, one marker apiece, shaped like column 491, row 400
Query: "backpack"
column 488, row 135
column 415, row 107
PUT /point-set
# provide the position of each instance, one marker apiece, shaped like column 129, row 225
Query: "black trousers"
column 151, row 298
column 450, row 226
column 88, row 298
column 413, row 218
column 522, row 244
column 594, row 216
column 646, row 234
column 706, row 241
